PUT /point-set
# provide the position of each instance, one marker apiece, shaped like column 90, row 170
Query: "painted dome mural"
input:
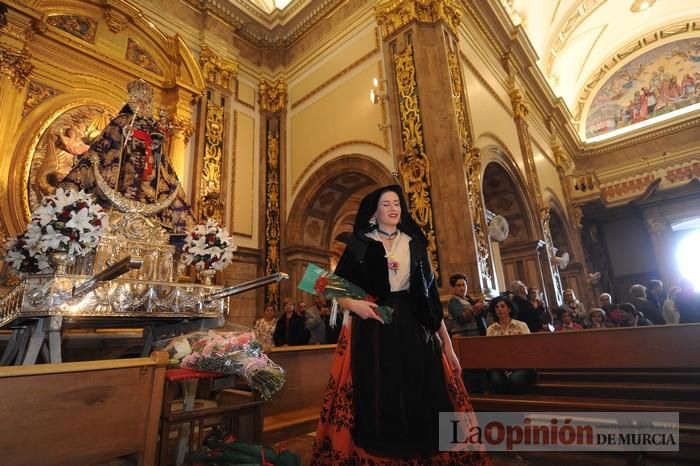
column 663, row 80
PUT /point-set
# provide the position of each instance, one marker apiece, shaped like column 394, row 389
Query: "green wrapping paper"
column 320, row 282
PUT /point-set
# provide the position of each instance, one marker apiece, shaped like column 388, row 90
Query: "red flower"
column 320, row 285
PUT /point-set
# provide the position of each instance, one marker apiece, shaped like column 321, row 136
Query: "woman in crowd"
column 630, row 317
column 597, row 319
column 507, row 381
column 670, row 310
column 467, row 315
column 265, row 326
column 546, row 318
column 566, row 322
column 290, row 329
column 574, row 306
column 390, row 380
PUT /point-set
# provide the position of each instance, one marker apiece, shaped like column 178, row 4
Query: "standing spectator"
column 314, row 322
column 605, row 299
column 264, row 327
column 290, row 329
column 524, row 310
column 574, row 306
column 546, row 319
column 466, row 313
column 655, row 293
column 507, row 381
column 670, row 310
column 688, row 303
column 643, row 305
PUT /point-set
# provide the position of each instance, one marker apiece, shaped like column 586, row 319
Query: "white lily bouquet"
column 208, row 246
column 68, row 222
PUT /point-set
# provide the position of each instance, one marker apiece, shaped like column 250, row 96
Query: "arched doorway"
column 323, row 212
column 516, row 257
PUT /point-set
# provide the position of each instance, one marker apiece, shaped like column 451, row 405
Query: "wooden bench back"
column 664, row 346
column 81, row 412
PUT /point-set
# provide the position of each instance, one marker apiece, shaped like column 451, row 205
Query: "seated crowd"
column 298, row 325
column 522, row 311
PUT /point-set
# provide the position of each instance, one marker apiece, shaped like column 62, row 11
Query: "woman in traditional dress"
column 390, row 381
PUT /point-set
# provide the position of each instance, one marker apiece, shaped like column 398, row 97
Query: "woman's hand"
column 363, row 309
column 452, row 360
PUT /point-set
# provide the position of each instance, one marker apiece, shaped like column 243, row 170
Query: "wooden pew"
column 81, row 412
column 624, row 369
column 295, row 409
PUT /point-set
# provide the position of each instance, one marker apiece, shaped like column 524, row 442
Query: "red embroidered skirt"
column 334, row 442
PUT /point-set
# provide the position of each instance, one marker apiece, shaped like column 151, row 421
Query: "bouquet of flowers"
column 323, row 283
column 220, row 448
column 24, row 256
column 68, row 221
column 208, row 246
column 232, row 353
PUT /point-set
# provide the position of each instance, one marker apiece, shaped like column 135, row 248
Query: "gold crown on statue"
column 140, row 97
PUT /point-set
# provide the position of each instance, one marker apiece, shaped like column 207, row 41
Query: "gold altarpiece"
column 64, row 71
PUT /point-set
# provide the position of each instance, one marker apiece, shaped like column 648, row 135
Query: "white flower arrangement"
column 208, row 246
column 68, row 221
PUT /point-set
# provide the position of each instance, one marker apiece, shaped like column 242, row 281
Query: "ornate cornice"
column 638, row 139
column 273, row 98
column 395, row 14
column 259, row 35
column 183, row 126
column 216, row 70
column 15, row 65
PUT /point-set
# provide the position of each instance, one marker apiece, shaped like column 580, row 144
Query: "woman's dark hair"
column 513, row 308
column 456, row 277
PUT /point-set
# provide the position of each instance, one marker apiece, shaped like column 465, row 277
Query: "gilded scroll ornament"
column 36, row 94
column 210, row 183
column 458, row 99
column 395, row 14
column 15, row 65
column 472, row 169
column 414, row 166
column 140, row 56
column 273, row 98
column 81, row 27
column 182, row 126
column 216, row 70
column 272, row 214
column 116, row 21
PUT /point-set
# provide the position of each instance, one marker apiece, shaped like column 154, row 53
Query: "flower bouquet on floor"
column 220, row 448
column 320, row 282
column 231, row 353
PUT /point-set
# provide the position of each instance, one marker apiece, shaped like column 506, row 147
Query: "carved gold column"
column 273, row 103
column 213, row 186
column 472, row 171
column 15, row 71
column 439, row 168
column 520, row 113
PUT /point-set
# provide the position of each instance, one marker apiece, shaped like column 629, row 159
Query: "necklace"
column 388, row 235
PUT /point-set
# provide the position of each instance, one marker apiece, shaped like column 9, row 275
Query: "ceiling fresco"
column 662, row 82
column 582, row 43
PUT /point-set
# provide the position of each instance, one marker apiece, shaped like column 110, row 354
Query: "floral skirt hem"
column 334, row 444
